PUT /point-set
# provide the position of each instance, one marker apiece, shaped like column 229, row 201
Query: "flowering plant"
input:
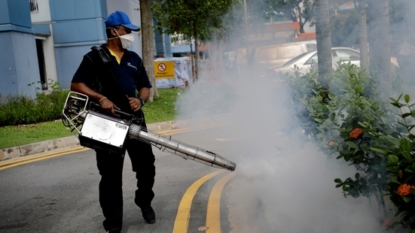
column 400, row 166
column 363, row 131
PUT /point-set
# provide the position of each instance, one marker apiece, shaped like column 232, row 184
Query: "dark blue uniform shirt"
column 128, row 77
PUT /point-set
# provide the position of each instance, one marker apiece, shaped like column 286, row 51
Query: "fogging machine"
column 98, row 130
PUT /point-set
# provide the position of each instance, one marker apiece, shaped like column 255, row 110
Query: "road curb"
column 70, row 142
column 73, row 141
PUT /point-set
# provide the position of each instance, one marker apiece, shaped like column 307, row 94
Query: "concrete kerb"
column 70, row 142
column 73, row 141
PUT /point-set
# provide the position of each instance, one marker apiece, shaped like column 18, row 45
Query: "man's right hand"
column 105, row 103
column 108, row 106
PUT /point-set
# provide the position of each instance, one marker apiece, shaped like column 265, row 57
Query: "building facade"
column 43, row 41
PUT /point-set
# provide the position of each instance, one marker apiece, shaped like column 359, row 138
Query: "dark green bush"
column 16, row 110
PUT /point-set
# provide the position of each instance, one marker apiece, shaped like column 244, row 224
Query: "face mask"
column 126, row 40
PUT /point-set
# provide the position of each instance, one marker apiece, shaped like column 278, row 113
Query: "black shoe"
column 114, row 230
column 149, row 215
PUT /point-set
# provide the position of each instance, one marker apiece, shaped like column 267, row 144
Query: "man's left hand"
column 135, row 104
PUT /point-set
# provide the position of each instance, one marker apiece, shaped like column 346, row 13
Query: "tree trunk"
column 147, row 38
column 196, row 54
column 192, row 60
column 380, row 53
column 300, row 18
column 323, row 41
column 364, row 49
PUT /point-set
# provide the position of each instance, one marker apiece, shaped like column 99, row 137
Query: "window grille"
column 34, row 8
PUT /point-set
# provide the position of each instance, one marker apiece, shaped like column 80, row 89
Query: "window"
column 266, row 54
column 289, row 51
column 311, row 47
column 34, row 8
column 347, row 55
column 312, row 60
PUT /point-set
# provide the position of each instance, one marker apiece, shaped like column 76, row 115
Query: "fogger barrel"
column 181, row 149
column 101, row 131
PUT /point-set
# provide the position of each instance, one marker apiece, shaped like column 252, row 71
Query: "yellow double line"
column 181, row 223
column 43, row 156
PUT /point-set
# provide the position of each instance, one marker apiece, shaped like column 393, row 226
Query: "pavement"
column 71, row 142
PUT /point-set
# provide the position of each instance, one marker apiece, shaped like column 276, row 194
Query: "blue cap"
column 120, row 18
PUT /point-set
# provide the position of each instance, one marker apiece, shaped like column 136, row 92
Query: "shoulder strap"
column 105, row 59
column 102, row 54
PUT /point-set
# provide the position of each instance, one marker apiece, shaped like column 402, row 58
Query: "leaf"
column 392, row 140
column 395, row 181
column 352, row 145
column 408, row 170
column 337, row 180
column 405, row 145
column 332, row 116
column 407, row 179
column 407, row 155
column 407, row 199
column 378, row 150
column 393, row 159
column 398, row 105
column 363, row 124
column 407, row 98
column 405, row 115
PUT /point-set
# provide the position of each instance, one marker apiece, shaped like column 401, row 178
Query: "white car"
column 306, row 61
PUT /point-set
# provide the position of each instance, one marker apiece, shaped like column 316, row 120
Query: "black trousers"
column 110, row 166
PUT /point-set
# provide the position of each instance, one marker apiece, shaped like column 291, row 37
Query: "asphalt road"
column 61, row 194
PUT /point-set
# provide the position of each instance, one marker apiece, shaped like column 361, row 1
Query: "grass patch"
column 11, row 136
column 161, row 109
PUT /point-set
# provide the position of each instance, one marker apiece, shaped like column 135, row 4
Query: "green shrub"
column 16, row 110
column 351, row 122
column 398, row 149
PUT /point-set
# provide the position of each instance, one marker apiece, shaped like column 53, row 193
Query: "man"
column 121, row 84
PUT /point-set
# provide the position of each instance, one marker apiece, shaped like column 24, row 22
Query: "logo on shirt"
column 130, row 65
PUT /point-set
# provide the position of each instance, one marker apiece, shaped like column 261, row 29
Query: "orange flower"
column 387, row 222
column 405, row 189
column 331, row 143
column 356, row 133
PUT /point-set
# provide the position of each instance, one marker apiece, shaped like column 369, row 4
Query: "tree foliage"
column 301, row 11
column 193, row 18
column 190, row 17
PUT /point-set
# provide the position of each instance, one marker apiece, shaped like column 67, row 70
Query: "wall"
column 19, row 67
column 43, row 18
column 77, row 25
column 67, row 30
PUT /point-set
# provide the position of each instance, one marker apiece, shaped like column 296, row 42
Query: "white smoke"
column 284, row 182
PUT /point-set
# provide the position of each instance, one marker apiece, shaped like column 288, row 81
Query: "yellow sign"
column 164, row 69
